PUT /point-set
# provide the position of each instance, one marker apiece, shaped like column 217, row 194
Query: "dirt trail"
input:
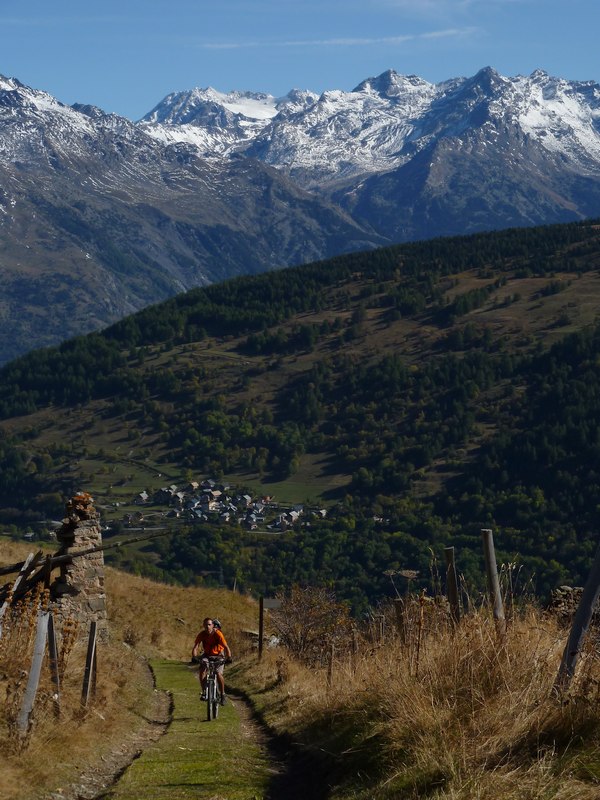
column 179, row 755
column 98, row 777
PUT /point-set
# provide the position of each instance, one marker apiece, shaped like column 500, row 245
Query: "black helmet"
column 216, row 623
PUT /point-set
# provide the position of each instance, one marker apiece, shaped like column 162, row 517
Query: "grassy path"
column 220, row 760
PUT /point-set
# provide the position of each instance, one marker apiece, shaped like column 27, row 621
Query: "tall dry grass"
column 160, row 620
column 146, row 620
column 468, row 719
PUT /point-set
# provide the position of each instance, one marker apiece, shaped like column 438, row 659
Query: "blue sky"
column 126, row 55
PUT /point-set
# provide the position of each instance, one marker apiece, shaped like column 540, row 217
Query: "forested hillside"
column 416, row 393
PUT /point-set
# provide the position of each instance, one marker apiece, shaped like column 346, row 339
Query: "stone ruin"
column 564, row 602
column 78, row 593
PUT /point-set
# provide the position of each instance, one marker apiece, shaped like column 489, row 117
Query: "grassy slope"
column 119, row 458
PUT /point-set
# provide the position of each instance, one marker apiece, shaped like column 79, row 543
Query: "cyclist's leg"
column 203, row 674
column 221, row 682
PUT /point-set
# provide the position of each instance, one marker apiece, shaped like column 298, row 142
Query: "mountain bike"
column 213, row 695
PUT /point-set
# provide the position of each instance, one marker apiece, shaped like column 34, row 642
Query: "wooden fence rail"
column 66, row 557
column 24, row 569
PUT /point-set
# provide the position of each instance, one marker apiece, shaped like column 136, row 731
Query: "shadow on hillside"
column 301, row 774
column 298, row 772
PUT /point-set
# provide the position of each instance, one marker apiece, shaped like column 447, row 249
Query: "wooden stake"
column 354, row 642
column 89, row 677
column 330, row 666
column 420, row 630
column 53, row 658
column 579, row 628
column 400, row 622
column 261, row 625
column 452, row 585
column 39, row 650
column 378, row 629
column 493, row 582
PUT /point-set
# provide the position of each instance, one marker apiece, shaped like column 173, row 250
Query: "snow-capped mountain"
column 100, row 216
column 385, row 121
column 98, row 219
column 219, row 124
column 411, row 159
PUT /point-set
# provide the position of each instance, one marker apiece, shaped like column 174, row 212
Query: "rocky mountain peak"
column 9, row 84
column 211, row 184
column 93, row 112
column 390, row 84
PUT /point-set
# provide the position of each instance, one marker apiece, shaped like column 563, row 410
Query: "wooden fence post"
column 39, row 650
column 491, row 569
column 399, row 608
column 53, row 658
column 330, row 666
column 420, row 630
column 354, row 657
column 354, row 642
column 261, row 625
column 89, row 677
column 452, row 585
column 579, row 628
column 380, row 628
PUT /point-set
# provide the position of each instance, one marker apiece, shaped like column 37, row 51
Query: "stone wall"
column 78, row 593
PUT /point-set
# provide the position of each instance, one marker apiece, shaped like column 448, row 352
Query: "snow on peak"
column 377, row 126
column 26, row 97
column 183, row 108
column 9, row 84
column 296, row 101
column 249, row 105
column 391, row 84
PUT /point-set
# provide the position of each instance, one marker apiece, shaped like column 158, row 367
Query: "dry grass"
column 474, row 721
column 439, row 713
column 162, row 620
column 58, row 749
column 146, row 619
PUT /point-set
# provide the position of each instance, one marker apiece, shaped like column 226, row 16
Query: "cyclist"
column 213, row 643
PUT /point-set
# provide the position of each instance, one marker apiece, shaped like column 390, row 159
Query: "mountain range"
column 100, row 216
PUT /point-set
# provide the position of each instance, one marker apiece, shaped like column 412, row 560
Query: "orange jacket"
column 213, row 643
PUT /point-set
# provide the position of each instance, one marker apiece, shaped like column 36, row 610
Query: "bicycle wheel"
column 210, row 691
column 216, row 704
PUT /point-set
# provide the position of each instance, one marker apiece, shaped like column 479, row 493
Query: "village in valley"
column 211, row 501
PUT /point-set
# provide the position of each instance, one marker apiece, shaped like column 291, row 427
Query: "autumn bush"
column 444, row 711
column 310, row 622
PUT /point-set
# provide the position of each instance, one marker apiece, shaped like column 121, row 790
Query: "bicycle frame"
column 213, row 695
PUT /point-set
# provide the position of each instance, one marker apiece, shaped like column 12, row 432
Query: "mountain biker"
column 213, row 644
